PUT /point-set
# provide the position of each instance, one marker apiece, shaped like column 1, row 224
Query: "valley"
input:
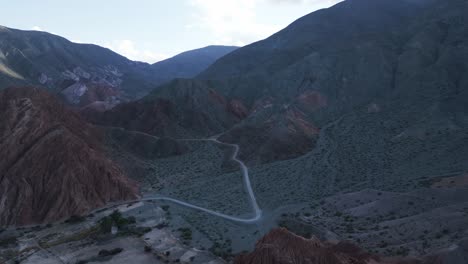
column 340, row 139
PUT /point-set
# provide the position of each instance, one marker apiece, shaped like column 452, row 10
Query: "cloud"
column 131, row 50
column 305, row 2
column 231, row 22
column 286, row 1
column 37, row 28
column 236, row 22
column 125, row 47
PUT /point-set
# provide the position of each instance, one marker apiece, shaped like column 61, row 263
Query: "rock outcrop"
column 52, row 164
column 282, row 247
column 273, row 134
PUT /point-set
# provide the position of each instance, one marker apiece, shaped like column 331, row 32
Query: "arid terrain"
column 341, row 139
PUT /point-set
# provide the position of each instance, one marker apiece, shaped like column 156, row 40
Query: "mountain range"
column 84, row 74
column 349, row 124
column 357, row 58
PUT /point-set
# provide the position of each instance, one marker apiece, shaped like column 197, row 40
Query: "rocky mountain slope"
column 195, row 110
column 52, row 163
column 81, row 73
column 84, row 74
column 282, row 247
column 356, row 53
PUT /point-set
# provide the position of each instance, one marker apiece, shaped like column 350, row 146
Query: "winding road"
column 245, row 174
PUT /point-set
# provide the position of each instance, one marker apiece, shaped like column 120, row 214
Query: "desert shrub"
column 8, row 241
column 106, row 224
column 112, row 252
column 186, row 233
column 402, row 251
column 116, row 219
column 148, row 249
column 162, row 225
column 131, row 220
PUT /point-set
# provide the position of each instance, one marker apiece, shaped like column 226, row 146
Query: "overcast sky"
column 152, row 30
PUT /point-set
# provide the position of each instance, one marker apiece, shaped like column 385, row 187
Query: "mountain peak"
column 2, row 28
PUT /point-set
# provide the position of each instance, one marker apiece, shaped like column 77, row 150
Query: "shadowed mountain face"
column 195, row 110
column 354, row 53
column 52, row 163
column 89, row 75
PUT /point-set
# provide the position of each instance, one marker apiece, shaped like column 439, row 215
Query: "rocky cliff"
column 52, row 164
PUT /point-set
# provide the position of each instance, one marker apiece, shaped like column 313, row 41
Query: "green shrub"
column 116, row 219
column 106, row 224
column 186, row 233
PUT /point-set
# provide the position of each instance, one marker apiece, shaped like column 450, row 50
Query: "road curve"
column 247, row 183
column 245, row 174
column 208, row 211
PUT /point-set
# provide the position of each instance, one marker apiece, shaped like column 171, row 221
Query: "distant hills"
column 190, row 63
column 83, row 73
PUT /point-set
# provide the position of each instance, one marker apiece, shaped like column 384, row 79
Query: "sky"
column 153, row 30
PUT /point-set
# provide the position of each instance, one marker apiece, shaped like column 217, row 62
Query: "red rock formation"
column 52, row 165
column 98, row 92
column 217, row 97
column 282, row 247
column 268, row 136
column 263, row 103
column 153, row 117
column 312, row 100
column 238, row 109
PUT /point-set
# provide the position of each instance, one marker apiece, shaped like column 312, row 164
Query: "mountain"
column 401, row 58
column 197, row 109
column 89, row 75
column 366, row 95
column 349, row 124
column 190, row 63
column 53, row 165
column 81, row 73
